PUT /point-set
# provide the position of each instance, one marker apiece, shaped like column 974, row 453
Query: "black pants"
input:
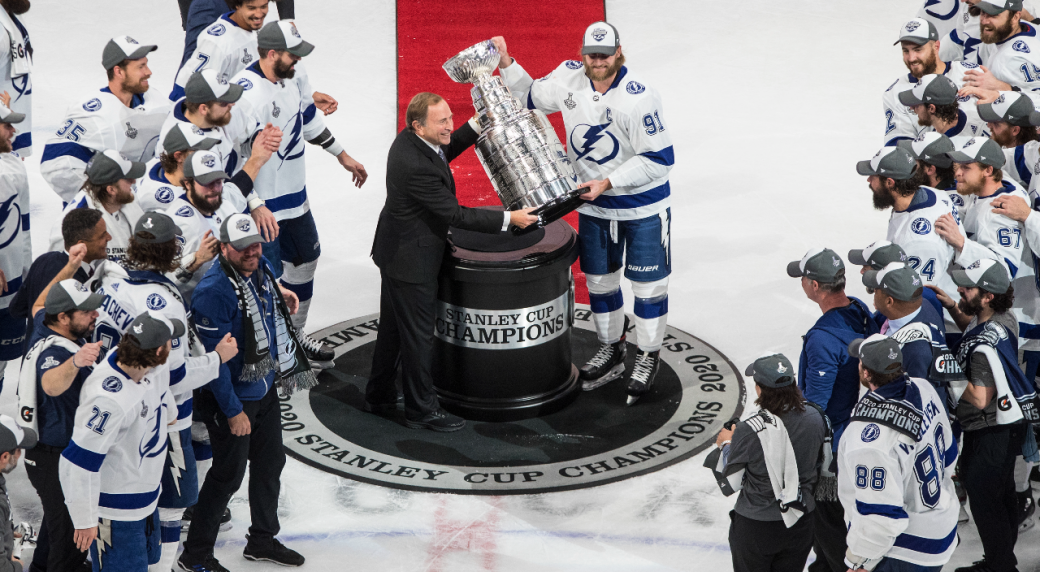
column 828, row 537
column 987, row 471
column 404, row 342
column 42, row 469
column 769, row 546
column 262, row 448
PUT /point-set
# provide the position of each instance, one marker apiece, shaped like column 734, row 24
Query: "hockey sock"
column 607, row 305
column 651, row 310
column 170, row 536
column 1022, row 469
column 300, row 279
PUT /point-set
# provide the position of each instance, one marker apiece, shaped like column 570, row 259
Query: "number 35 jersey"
column 620, row 135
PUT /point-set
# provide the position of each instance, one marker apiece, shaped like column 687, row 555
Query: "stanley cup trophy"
column 518, row 147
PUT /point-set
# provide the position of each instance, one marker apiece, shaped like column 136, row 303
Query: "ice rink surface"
column 770, row 104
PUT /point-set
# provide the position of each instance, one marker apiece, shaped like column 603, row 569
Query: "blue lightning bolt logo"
column 953, row 12
column 592, row 135
column 295, row 139
column 9, row 223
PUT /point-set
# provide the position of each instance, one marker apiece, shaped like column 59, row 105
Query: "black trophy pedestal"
column 502, row 345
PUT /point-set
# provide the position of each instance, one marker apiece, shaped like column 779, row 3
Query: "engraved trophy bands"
column 518, row 147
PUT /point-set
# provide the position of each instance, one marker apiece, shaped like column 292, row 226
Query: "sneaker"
column 225, row 521
column 210, row 564
column 319, row 355
column 977, row 566
column 439, row 420
column 607, row 365
column 643, row 374
column 271, row 551
column 1026, row 508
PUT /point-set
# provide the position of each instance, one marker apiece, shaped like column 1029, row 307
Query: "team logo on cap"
column 138, row 329
column 92, row 105
column 148, row 223
column 911, row 26
column 155, row 302
column 780, row 368
column 921, row 226
column 209, row 161
column 294, row 31
column 130, row 40
column 892, row 354
column 634, row 87
column 870, row 433
column 599, row 34
column 999, row 100
column 112, row 384
column 572, row 64
column 1020, row 46
column 243, row 225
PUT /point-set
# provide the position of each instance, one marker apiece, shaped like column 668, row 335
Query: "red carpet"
column 539, row 34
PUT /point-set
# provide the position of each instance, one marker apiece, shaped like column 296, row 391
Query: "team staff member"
column 51, row 379
column 408, row 248
column 769, row 533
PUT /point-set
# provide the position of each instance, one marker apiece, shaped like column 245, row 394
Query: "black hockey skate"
column 643, row 373
column 607, row 365
column 319, row 355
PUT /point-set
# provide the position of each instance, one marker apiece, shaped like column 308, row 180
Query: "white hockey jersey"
column 1022, row 163
column 15, row 244
column 287, row 104
column 232, row 136
column 914, row 231
column 120, row 224
column 897, row 491
column 194, row 225
column 943, row 14
column 225, row 47
column 962, row 42
column 16, row 77
column 154, row 192
column 112, row 467
column 998, row 237
column 1016, row 60
column 618, row 135
column 97, row 123
column 901, row 121
column 130, row 294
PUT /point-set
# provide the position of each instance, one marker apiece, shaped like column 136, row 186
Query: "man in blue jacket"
column 829, row 378
column 240, row 407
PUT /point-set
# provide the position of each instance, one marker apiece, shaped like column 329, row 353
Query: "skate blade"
column 632, row 399
column 615, row 373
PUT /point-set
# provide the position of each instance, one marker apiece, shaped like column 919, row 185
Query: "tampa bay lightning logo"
column 155, row 302
column 599, row 34
column 112, row 384
column 585, row 139
column 954, row 4
column 968, row 65
column 572, row 64
column 1020, row 46
column 10, row 221
column 911, row 26
column 245, row 83
column 153, row 443
column 870, row 433
column 185, row 211
column 92, row 105
column 209, row 161
column 216, row 30
column 999, row 100
column 921, row 226
column 164, row 195
column 634, row 87
column 295, row 130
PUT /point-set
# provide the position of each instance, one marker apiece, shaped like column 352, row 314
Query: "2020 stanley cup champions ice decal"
column 595, row 440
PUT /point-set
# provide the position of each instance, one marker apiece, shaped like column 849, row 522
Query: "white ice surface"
column 770, row 104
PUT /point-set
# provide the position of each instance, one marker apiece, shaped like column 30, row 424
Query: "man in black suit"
column 409, row 245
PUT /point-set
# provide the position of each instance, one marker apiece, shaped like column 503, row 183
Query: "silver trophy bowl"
column 520, row 152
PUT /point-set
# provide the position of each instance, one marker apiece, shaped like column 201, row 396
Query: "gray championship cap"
column 892, row 162
column 932, row 88
column 153, row 330
column 186, row 137
column 930, row 147
column 897, row 280
column 239, row 231
column 773, row 370
column 878, row 353
column 10, row 117
column 110, row 166
column 1012, row 107
column 918, row 31
column 207, row 85
column 204, row 167
column 124, row 48
column 982, row 150
column 600, row 38
column 283, row 36
column 878, row 255
column 994, row 7
column 69, row 295
column 159, row 225
column 987, row 274
column 14, row 436
column 819, row 264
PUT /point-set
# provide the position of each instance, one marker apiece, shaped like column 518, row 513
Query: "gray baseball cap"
column 110, row 166
column 918, row 31
column 14, row 436
column 878, row 353
column 1010, row 107
column 152, row 329
column 600, row 38
column 159, row 225
column 239, row 231
column 69, row 295
column 773, row 370
column 878, row 255
column 124, row 48
column 987, row 274
column 204, row 167
column 897, row 280
column 932, row 88
column 184, row 137
column 820, row 264
column 10, row 117
column 892, row 162
column 283, row 36
column 930, row 147
column 982, row 150
column 994, row 7
column 207, row 85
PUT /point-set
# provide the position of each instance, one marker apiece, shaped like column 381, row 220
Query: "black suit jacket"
column 420, row 206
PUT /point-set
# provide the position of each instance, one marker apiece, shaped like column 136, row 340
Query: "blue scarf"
column 996, row 336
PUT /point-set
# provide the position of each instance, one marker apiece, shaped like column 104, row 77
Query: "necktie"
column 884, row 327
column 443, row 156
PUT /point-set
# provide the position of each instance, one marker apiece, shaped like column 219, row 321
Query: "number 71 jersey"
column 914, row 231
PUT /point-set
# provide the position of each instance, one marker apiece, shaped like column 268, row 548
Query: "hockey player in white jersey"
column 619, row 144
column 227, row 46
column 936, row 169
column 112, row 468
column 162, row 182
column 895, row 467
column 16, row 62
column 124, row 116
column 943, row 14
column 277, row 91
column 939, row 107
column 1011, row 118
column 15, row 245
column 1010, row 49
